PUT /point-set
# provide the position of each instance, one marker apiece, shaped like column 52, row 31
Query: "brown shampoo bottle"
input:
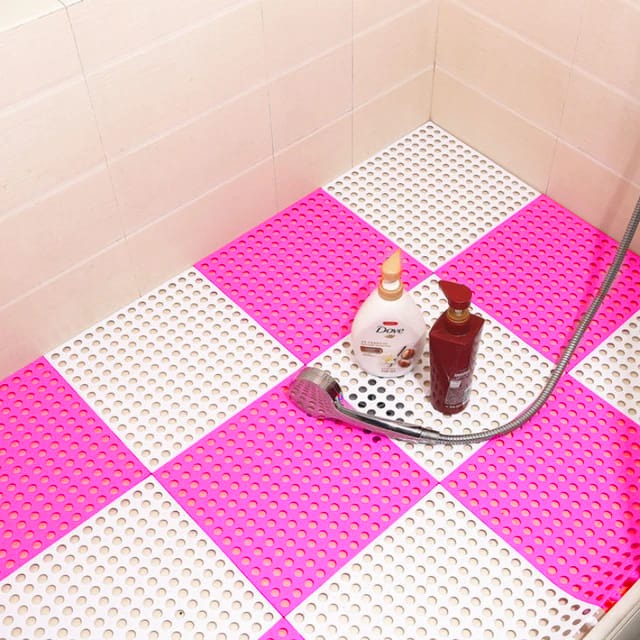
column 453, row 345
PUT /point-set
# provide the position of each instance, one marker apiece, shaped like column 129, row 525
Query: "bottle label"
column 459, row 389
column 390, row 350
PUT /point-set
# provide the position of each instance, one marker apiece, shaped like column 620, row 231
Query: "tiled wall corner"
column 165, row 107
column 502, row 134
column 252, row 198
column 549, row 90
column 499, row 64
column 132, row 130
column 65, row 304
column 300, row 167
column 599, row 194
column 394, row 50
column 382, row 120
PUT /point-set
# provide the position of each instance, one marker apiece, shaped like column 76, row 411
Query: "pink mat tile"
column 538, row 272
column 59, row 463
column 291, row 499
column 564, row 490
column 304, row 273
column 282, row 631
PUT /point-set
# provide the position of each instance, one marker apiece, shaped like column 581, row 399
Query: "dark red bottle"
column 453, row 345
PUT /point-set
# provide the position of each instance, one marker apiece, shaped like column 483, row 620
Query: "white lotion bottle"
column 389, row 332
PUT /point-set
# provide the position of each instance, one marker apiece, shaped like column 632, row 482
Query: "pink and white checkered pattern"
column 59, row 463
column 283, row 508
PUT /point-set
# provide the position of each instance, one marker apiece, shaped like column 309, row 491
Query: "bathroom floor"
column 157, row 482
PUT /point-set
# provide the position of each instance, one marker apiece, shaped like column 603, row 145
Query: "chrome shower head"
column 318, row 394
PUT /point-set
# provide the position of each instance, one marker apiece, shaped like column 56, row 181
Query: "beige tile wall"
column 551, row 90
column 139, row 136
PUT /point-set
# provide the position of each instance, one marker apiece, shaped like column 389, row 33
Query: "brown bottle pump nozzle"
column 459, row 299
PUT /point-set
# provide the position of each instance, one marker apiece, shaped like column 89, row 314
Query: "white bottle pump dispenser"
column 389, row 333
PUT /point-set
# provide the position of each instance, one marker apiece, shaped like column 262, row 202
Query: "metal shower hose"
column 557, row 372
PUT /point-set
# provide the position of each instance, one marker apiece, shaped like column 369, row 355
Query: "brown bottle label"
column 459, row 389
